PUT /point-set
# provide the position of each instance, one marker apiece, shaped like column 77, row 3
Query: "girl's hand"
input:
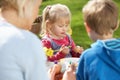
column 78, row 49
column 65, row 49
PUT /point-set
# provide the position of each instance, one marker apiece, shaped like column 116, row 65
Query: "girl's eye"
column 66, row 26
column 60, row 26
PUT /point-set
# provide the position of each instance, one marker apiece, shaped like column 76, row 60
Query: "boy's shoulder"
column 93, row 50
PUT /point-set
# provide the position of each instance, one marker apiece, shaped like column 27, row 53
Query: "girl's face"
column 60, row 28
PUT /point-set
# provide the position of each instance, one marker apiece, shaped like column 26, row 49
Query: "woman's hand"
column 56, row 69
column 69, row 74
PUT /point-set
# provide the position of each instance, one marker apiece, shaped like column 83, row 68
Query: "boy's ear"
column 117, row 26
column 87, row 27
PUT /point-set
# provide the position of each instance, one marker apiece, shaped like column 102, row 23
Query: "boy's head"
column 101, row 16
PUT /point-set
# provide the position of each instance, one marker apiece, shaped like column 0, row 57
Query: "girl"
column 57, row 43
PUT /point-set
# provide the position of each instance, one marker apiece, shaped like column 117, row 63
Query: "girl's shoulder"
column 46, row 38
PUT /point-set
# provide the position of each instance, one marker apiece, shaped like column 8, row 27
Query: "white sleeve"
column 32, row 59
column 21, row 56
column 35, row 61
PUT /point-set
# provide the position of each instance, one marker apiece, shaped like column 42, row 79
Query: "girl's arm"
column 76, row 50
column 49, row 52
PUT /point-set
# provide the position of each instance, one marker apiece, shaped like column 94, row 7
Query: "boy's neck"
column 94, row 36
column 104, row 37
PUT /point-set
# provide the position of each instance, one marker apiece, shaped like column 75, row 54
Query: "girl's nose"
column 65, row 28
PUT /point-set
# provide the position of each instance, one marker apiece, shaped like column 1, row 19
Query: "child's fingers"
column 80, row 49
column 64, row 49
column 62, row 46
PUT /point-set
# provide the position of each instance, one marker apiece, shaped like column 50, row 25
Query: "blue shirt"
column 100, row 62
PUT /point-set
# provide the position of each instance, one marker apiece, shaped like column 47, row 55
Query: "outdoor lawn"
column 79, row 34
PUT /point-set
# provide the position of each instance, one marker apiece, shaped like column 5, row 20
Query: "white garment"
column 21, row 54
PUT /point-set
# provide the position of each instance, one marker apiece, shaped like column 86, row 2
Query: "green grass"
column 79, row 34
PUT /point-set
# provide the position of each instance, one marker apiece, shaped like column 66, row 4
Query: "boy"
column 102, row 60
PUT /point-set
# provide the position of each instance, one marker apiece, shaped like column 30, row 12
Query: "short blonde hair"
column 53, row 13
column 101, row 16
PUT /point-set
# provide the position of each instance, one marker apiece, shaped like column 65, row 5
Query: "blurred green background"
column 79, row 34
